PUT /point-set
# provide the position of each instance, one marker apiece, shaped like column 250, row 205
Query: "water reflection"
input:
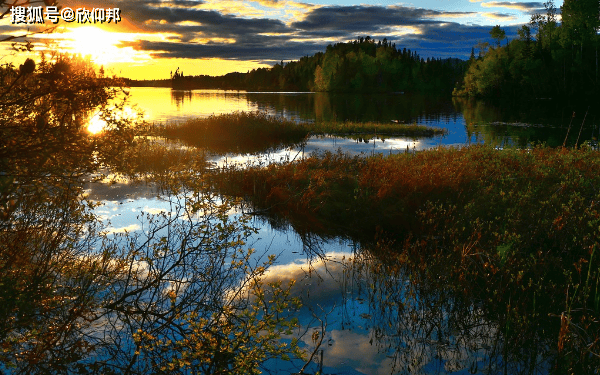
column 382, row 317
column 321, row 144
column 525, row 124
column 401, row 325
column 467, row 120
column 162, row 104
column 400, row 320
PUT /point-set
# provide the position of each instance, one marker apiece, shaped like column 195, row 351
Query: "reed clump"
column 242, row 132
column 160, row 162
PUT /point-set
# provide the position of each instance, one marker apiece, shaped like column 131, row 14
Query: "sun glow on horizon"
column 102, row 46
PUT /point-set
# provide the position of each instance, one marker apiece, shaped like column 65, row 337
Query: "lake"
column 467, row 121
column 378, row 320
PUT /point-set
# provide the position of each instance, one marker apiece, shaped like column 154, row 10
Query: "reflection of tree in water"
column 433, row 327
column 323, row 106
column 524, row 124
column 416, row 321
column 178, row 97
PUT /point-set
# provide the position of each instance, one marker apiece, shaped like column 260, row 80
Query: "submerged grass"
column 518, row 229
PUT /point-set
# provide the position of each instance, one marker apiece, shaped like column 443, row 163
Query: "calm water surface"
column 467, row 121
column 377, row 322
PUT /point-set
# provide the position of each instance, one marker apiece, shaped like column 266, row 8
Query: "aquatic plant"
column 253, row 132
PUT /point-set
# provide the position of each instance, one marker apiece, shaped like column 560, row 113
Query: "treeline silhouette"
column 363, row 65
column 548, row 59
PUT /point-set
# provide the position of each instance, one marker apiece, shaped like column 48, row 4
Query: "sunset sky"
column 215, row 37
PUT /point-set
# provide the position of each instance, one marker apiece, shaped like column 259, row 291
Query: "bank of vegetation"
column 518, row 229
column 373, row 128
column 242, row 132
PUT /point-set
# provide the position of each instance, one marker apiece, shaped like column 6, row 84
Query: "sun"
column 100, row 45
column 96, row 123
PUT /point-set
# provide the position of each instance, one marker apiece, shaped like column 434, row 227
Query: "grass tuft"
column 241, row 132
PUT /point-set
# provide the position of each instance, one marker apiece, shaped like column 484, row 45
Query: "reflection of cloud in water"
column 283, row 155
column 355, row 147
column 318, row 281
column 352, row 349
column 118, row 191
column 154, row 210
column 127, row 229
column 130, row 214
column 422, row 337
column 320, row 144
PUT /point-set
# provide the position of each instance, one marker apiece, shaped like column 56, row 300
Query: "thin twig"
column 581, row 128
column 569, row 129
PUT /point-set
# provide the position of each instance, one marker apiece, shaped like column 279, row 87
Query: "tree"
column 498, row 34
column 525, row 35
column 483, row 47
column 581, row 20
column 74, row 299
column 45, row 230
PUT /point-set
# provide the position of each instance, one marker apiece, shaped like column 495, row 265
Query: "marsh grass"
column 255, row 132
column 514, row 229
column 241, row 132
column 160, row 161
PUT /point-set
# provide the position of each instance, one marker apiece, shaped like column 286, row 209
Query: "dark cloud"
column 528, row 7
column 501, row 15
column 368, row 18
column 338, row 22
column 172, row 13
column 251, row 50
column 520, row 4
column 451, row 39
column 20, row 33
column 436, row 40
column 268, row 39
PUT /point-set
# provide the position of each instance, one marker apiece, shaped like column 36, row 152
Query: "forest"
column 363, row 65
column 549, row 59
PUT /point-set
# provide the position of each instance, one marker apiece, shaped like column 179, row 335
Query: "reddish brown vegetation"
column 517, row 229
